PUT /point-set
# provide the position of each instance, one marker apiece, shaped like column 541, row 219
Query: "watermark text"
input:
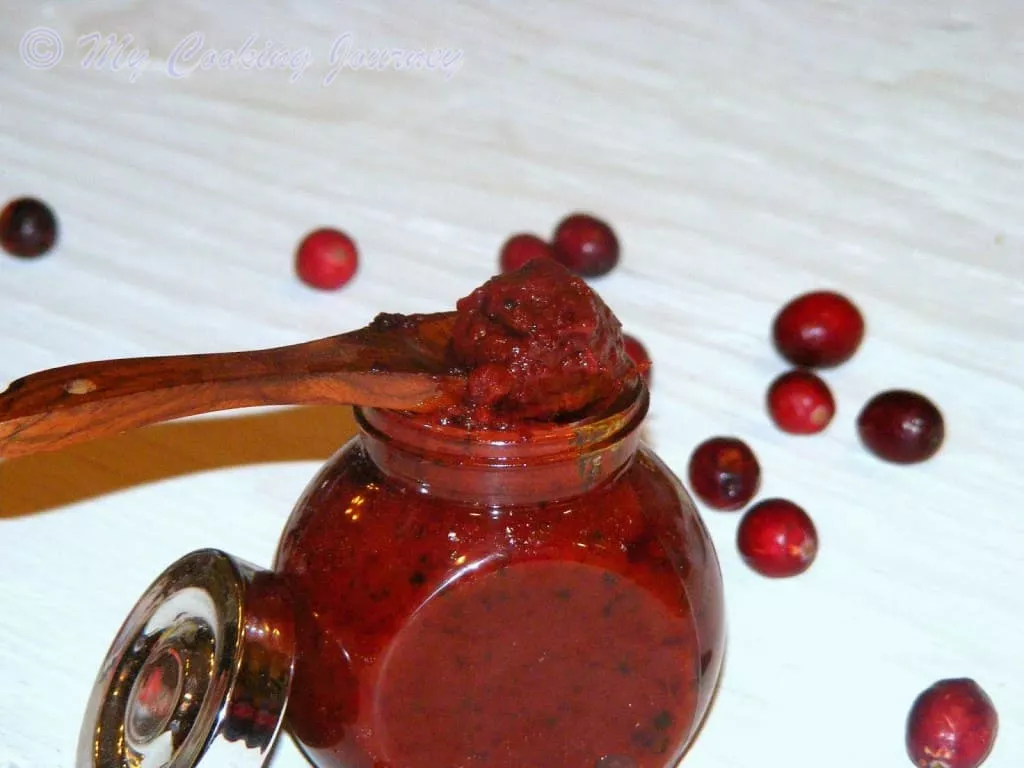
column 43, row 48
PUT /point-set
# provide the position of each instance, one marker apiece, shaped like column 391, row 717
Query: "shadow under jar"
column 545, row 596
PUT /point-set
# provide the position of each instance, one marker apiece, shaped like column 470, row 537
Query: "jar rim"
column 624, row 413
column 538, row 462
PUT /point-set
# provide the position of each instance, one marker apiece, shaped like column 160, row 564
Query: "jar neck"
column 526, row 465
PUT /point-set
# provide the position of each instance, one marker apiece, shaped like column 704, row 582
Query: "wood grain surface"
column 745, row 151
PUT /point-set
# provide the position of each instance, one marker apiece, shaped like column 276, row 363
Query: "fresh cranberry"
column 585, row 245
column 902, row 427
column 952, row 724
column 800, row 403
column 326, row 259
column 777, row 539
column 638, row 354
column 818, row 330
column 521, row 249
column 724, row 473
column 28, row 228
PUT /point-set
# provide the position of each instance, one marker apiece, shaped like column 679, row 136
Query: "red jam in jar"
column 539, row 596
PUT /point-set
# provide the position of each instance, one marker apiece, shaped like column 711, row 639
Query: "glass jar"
column 542, row 597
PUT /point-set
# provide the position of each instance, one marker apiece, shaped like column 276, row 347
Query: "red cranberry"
column 777, row 539
column 326, row 259
column 638, row 354
column 521, row 249
column 818, row 330
column 953, row 724
column 585, row 245
column 902, row 427
column 800, row 403
column 28, row 228
column 724, row 473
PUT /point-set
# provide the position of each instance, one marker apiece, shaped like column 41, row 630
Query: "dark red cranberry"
column 777, row 539
column 818, row 330
column 724, row 473
column 800, row 403
column 902, row 427
column 28, row 228
column 326, row 259
column 638, row 354
column 952, row 724
column 521, row 249
column 585, row 245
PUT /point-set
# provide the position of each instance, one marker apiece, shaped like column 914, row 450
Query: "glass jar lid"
column 201, row 668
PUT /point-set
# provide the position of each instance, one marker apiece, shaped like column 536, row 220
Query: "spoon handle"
column 56, row 408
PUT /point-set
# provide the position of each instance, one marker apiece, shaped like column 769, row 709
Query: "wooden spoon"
column 396, row 362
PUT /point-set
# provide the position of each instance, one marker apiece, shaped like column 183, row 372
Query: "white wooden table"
column 745, row 153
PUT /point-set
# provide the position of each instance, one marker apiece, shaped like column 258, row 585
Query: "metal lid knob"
column 201, row 668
